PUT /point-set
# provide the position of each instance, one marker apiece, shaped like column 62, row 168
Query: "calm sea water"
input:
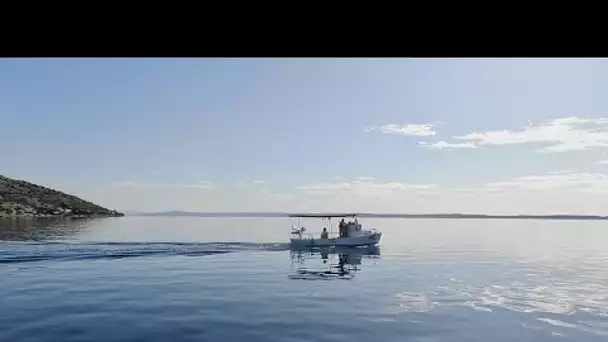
column 229, row 279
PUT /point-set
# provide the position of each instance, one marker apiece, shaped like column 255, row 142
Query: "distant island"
column 380, row 215
column 19, row 198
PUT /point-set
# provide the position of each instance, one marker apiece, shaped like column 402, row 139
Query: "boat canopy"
column 326, row 216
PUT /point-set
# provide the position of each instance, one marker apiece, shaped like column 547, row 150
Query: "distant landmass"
column 380, row 215
column 19, row 198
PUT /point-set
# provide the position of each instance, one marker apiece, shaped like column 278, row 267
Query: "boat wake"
column 31, row 251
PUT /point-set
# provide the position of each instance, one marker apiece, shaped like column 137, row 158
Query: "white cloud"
column 561, row 172
column 563, row 191
column 603, row 162
column 442, row 145
column 362, row 186
column 552, row 135
column 420, row 130
column 557, row 135
column 554, row 181
column 365, row 178
column 132, row 184
column 253, row 184
column 421, row 186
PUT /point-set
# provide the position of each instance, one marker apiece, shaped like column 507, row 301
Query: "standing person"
column 324, row 234
column 342, row 228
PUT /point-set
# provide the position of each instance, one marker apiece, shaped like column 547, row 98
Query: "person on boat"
column 324, row 234
column 342, row 228
column 346, row 228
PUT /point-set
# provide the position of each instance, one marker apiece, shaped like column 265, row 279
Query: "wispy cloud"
column 366, row 178
column 419, row 130
column 442, row 145
column 362, row 186
column 603, row 162
column 133, row 184
column 559, row 180
column 558, row 135
column 253, row 184
column 565, row 191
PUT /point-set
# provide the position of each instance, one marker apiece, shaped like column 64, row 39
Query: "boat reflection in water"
column 327, row 263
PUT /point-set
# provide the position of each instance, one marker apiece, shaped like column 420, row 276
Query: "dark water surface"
column 204, row 279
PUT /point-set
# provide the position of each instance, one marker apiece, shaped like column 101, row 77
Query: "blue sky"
column 196, row 133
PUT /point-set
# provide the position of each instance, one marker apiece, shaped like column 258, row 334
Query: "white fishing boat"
column 349, row 233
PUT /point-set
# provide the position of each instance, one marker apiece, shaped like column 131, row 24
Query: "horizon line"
column 377, row 214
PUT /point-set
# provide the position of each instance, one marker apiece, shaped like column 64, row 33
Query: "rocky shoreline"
column 23, row 199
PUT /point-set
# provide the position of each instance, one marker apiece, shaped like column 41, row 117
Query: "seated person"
column 324, row 234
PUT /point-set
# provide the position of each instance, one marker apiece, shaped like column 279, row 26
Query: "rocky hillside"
column 21, row 198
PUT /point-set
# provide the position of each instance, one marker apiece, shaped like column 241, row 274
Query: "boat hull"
column 363, row 240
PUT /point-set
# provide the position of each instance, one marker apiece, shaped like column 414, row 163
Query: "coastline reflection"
column 40, row 229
